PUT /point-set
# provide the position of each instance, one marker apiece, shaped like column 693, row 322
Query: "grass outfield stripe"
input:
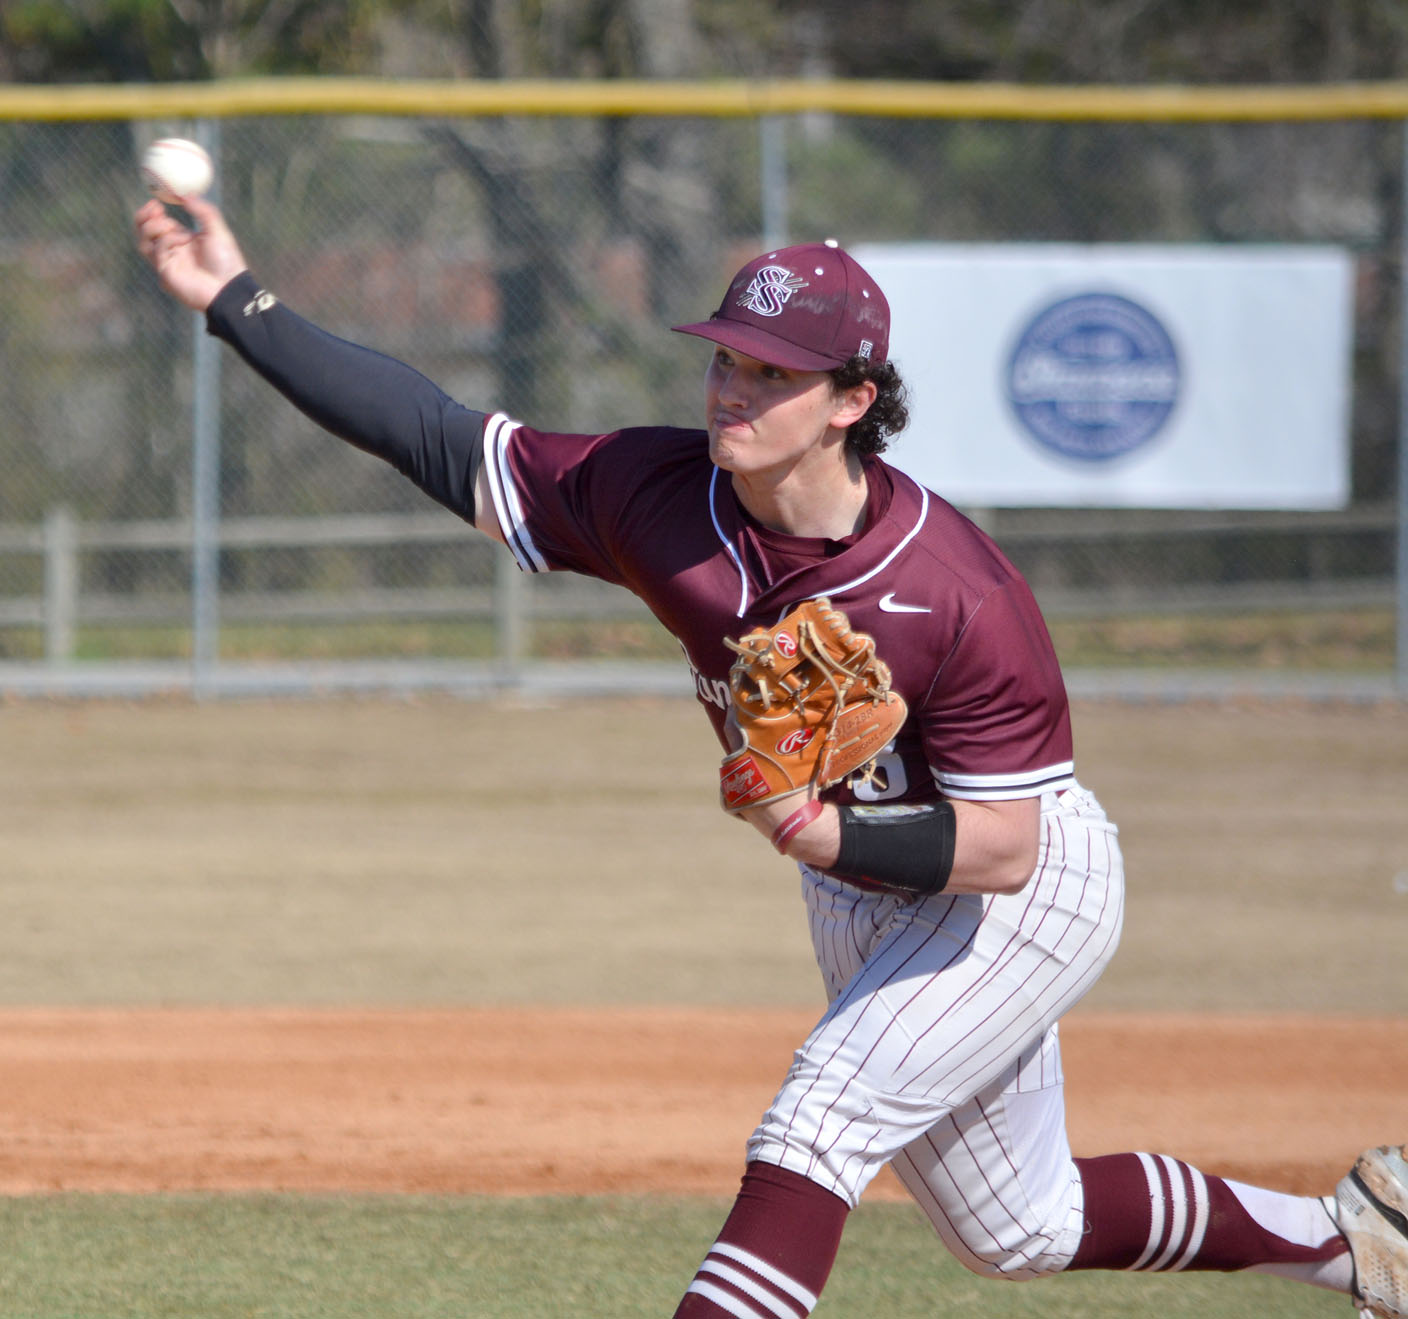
column 404, row 1257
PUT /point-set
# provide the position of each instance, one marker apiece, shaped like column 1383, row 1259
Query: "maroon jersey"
column 956, row 623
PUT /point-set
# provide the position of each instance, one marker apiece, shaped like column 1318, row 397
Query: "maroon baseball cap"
column 806, row 308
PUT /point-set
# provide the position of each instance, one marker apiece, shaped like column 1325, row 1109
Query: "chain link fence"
column 532, row 264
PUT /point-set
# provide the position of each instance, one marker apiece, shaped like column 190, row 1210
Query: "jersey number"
column 888, row 778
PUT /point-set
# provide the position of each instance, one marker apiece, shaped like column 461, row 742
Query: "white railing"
column 511, row 600
column 505, row 598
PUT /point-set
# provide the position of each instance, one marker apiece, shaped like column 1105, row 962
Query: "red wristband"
column 794, row 824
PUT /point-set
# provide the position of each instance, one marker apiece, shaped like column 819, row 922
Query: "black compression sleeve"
column 375, row 402
column 901, row 846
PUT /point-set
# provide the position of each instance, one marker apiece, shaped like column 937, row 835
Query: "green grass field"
column 281, row 1257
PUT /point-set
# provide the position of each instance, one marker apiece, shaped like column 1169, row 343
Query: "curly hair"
column 885, row 417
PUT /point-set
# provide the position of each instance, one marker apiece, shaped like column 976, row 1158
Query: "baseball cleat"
column 1373, row 1215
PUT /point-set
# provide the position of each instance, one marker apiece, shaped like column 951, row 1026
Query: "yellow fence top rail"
column 736, row 97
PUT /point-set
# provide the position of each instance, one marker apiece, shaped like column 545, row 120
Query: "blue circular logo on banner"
column 1093, row 377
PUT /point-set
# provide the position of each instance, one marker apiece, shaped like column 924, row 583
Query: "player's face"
column 763, row 417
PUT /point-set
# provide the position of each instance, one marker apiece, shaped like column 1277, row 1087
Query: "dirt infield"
column 565, row 1101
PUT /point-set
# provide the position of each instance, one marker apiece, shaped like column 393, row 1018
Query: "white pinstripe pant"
column 939, row 1052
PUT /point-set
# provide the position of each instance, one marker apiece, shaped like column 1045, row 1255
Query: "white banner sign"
column 1122, row 376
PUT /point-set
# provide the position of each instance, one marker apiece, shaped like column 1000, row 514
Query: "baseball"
column 173, row 168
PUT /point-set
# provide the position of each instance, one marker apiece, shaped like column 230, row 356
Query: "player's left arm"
column 994, row 843
column 996, row 733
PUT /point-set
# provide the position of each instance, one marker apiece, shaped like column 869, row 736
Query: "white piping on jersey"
column 728, row 545
column 834, row 590
column 998, row 787
column 507, row 506
column 894, row 553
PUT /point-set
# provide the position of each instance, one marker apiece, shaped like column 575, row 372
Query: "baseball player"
column 963, row 893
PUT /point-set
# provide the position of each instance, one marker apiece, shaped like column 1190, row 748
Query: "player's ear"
column 852, row 403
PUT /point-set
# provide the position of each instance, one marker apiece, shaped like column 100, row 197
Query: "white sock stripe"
column 1178, row 1217
column 1156, row 1210
column 1189, row 1207
column 735, row 1305
column 1202, row 1209
column 763, row 1269
column 739, row 1279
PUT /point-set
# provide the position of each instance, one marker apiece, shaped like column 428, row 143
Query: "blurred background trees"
column 1046, row 41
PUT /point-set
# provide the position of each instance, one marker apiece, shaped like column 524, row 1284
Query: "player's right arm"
column 368, row 399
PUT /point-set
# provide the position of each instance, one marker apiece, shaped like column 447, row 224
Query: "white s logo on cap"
column 769, row 290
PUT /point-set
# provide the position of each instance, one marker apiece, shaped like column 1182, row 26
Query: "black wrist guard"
column 907, row 847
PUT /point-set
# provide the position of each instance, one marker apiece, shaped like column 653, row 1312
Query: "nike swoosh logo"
column 890, row 606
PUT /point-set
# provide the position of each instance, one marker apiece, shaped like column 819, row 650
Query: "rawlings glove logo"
column 795, row 741
column 742, row 783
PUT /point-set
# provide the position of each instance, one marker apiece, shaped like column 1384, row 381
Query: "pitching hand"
column 192, row 267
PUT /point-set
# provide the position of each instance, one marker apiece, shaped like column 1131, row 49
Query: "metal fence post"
column 60, row 583
column 1401, row 566
column 205, row 473
column 510, row 614
column 772, row 167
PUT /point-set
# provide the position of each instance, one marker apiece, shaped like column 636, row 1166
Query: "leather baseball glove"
column 813, row 705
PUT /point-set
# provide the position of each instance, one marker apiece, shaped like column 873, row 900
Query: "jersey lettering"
column 712, row 691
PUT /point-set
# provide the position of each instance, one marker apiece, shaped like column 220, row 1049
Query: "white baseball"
column 173, row 168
